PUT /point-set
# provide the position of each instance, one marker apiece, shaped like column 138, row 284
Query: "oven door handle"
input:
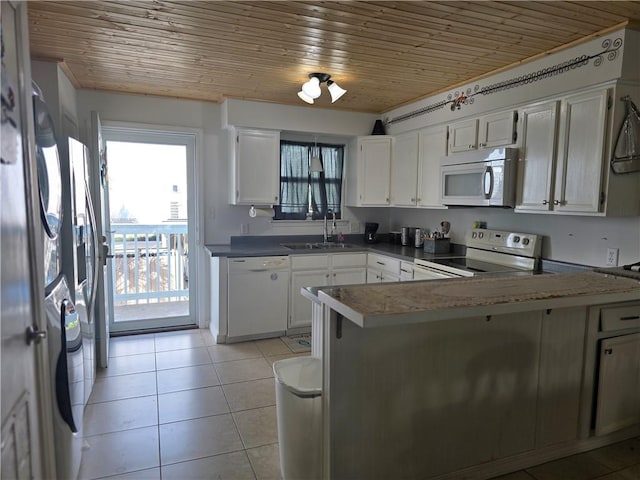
column 487, row 186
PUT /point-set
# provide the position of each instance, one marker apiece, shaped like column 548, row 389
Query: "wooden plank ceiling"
column 384, row 53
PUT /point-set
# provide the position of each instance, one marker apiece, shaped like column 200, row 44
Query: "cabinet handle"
column 380, row 263
column 608, row 351
column 413, row 199
column 418, row 199
column 633, row 317
column 556, row 202
column 483, row 145
column 276, row 198
column 387, row 199
column 326, row 275
column 545, row 202
column 470, row 147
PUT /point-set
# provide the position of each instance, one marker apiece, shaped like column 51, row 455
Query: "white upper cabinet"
column 537, row 157
column 373, row 170
column 564, row 158
column 493, row 130
column 432, row 146
column 255, row 167
column 415, row 167
column 581, row 152
column 404, row 165
column 463, row 136
column 497, row 129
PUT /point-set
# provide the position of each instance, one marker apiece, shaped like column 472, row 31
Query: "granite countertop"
column 413, row 302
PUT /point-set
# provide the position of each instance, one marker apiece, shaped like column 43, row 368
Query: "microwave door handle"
column 487, row 187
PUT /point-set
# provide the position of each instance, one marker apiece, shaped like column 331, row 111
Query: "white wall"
column 219, row 220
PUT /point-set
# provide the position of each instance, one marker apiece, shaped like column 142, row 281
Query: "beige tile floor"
column 177, row 406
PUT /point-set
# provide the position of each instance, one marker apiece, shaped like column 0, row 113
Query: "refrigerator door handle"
column 94, row 253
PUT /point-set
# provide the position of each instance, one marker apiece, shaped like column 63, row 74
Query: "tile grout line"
column 157, row 408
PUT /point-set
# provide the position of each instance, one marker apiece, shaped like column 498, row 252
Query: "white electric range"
column 488, row 252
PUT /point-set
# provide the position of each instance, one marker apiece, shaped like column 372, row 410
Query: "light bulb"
column 335, row 91
column 312, row 87
column 303, row 96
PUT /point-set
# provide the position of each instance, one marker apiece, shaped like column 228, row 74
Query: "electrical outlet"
column 612, row 257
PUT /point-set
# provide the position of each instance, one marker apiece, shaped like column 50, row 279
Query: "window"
column 309, row 194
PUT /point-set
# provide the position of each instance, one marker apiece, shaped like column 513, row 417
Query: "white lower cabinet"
column 406, row 271
column 320, row 271
column 382, row 269
column 618, row 400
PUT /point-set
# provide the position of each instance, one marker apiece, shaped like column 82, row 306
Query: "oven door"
column 478, row 184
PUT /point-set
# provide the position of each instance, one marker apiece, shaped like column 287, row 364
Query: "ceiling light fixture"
column 311, row 89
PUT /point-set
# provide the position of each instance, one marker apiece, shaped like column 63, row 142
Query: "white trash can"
column 299, row 414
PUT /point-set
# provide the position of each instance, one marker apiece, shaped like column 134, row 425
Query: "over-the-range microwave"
column 479, row 178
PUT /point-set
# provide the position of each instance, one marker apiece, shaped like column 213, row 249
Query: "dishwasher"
column 258, row 294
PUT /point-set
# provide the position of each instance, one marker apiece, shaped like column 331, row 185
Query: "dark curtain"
column 326, row 187
column 300, row 188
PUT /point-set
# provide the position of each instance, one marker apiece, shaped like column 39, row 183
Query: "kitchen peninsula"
column 472, row 378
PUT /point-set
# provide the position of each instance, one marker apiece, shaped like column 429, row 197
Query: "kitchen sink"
column 317, row 246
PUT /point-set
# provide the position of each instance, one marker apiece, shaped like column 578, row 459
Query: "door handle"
column 487, row 188
column 35, row 335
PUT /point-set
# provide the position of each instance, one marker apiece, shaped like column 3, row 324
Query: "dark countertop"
column 262, row 246
column 259, row 246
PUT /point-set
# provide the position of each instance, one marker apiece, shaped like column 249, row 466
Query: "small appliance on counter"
column 370, row 230
column 395, row 238
column 407, row 236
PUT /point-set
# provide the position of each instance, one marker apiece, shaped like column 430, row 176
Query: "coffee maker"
column 370, row 230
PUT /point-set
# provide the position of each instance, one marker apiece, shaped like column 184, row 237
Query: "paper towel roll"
column 260, row 212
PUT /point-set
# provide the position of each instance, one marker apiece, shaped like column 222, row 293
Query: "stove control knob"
column 481, row 235
column 516, row 239
column 525, row 241
column 474, row 234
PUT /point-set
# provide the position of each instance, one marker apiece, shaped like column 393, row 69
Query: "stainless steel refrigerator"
column 65, row 340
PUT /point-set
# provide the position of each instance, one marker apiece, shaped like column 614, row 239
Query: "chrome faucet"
column 326, row 236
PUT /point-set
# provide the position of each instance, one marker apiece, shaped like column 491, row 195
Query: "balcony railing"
column 149, row 263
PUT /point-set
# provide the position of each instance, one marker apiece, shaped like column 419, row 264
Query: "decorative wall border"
column 466, row 97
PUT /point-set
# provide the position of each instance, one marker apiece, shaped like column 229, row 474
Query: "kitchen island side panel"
column 419, row 400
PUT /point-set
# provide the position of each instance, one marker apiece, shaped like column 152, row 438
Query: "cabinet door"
column 497, row 130
column 432, row 147
column 406, row 271
column 349, row 276
column 374, row 275
column 463, row 136
column 257, row 167
column 404, row 165
column 374, row 162
column 581, row 153
column 618, row 403
column 560, row 381
column 537, row 157
column 300, row 310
